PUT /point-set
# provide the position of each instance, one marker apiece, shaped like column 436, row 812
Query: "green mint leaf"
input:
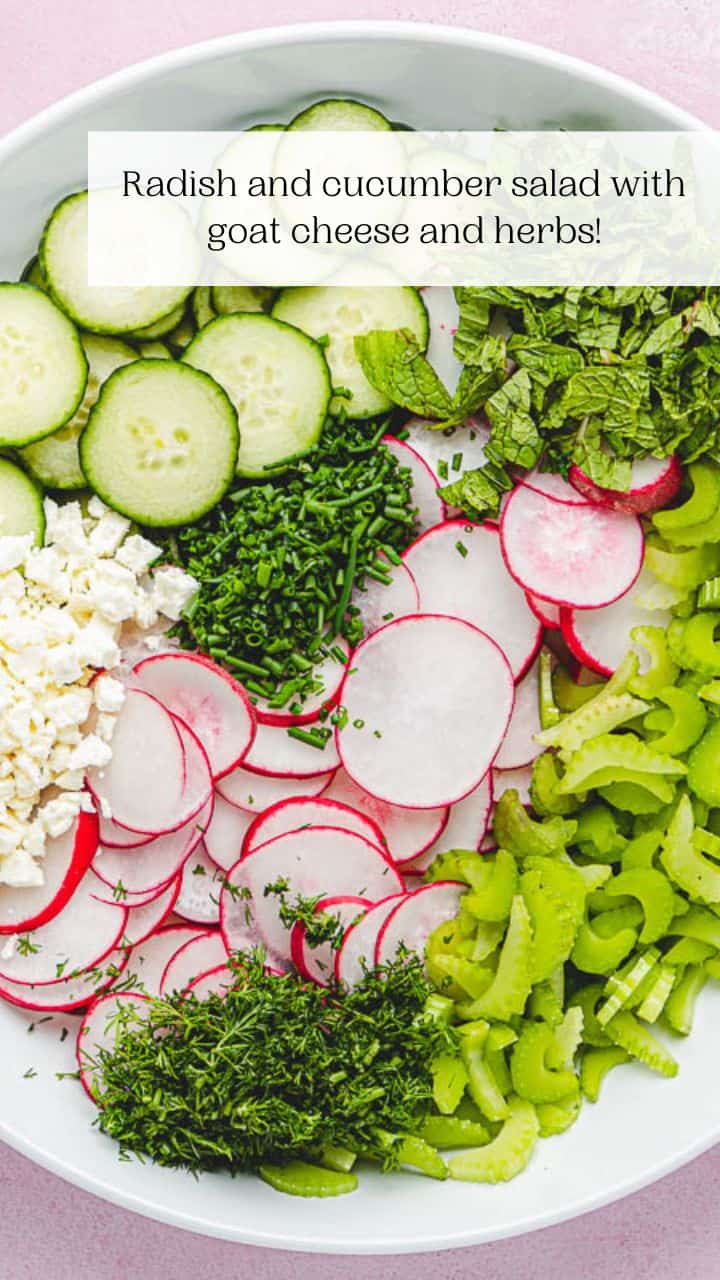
column 393, row 362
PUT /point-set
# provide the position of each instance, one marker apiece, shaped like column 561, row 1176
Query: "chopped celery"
column 679, row 1009
column 298, row 1178
column 662, row 670
column 446, row 1132
column 507, row 1154
column 629, row 1034
column 595, row 1065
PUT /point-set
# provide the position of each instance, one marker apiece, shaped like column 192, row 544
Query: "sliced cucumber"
column 161, row 327
column 154, row 351
column 161, row 443
column 335, row 115
column 34, row 274
column 182, row 335
column 63, row 257
column 266, row 128
column 229, row 298
column 21, row 504
column 276, row 377
column 203, row 309
column 341, row 315
column 43, row 370
column 55, row 460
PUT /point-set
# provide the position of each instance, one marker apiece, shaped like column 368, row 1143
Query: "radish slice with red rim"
column 299, row 813
column 329, row 674
column 356, row 955
column 545, row 611
column 111, row 836
column 240, row 932
column 553, row 486
column 416, row 917
column 226, row 833
column 276, row 754
column 148, row 960
column 653, row 484
column 133, row 901
column 580, row 556
column 200, row 883
column 196, row 956
column 143, row 786
column 428, row 704
column 424, row 495
column 460, row 571
column 255, row 792
column 80, row 937
column 465, row 828
column 318, row 962
column 67, row 858
column 600, row 638
column 314, row 862
column 70, row 993
column 207, row 698
column 216, row 982
column 99, row 1028
column 198, row 788
column 406, row 832
column 378, row 602
column 517, row 779
column 519, row 746
column 144, row 920
column 153, row 865
column 451, row 451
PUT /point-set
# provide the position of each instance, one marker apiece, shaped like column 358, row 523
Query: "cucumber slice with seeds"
column 341, row 315
column 21, row 504
column 43, row 370
column 63, row 258
column 278, row 380
column 161, row 327
column 161, row 443
column 336, row 115
column 202, row 307
column 229, row 298
column 154, row 351
column 55, row 460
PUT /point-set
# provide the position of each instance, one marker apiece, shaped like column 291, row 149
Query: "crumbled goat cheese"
column 63, row 608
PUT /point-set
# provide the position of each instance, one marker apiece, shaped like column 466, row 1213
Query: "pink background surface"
column 50, row 1229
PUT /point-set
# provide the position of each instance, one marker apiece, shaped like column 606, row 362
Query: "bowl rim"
column 132, row 76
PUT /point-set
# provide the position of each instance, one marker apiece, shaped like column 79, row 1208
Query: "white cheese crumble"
column 63, row 610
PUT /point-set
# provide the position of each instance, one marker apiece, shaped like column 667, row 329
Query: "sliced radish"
column 67, row 858
column 70, row 993
column 196, row 956
column 216, row 982
column 405, row 831
column 297, row 814
column 416, row 917
column 424, row 495
column 316, row 861
column 318, row 962
column 143, row 785
column 517, row 779
column 379, row 603
column 330, row 673
column 226, row 832
column 153, row 865
column 653, row 484
column 207, row 698
column 451, row 451
column 519, row 746
column 80, row 937
column 277, row 755
column 356, row 955
column 200, row 883
column 239, row 930
column 118, row 892
column 198, row 788
column 443, row 317
column 600, row 638
column 428, row 704
column 460, row 571
column 255, row 792
column 553, row 486
column 579, row 556
column 144, row 920
column 112, row 836
column 147, row 962
column 545, row 611
column 465, row 829
column 98, row 1030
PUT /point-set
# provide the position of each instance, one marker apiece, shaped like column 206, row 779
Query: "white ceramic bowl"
column 431, row 77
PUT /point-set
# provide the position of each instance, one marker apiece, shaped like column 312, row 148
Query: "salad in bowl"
column 359, row 794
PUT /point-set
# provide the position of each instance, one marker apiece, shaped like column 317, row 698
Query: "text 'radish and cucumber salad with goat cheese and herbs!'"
column 359, row 706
